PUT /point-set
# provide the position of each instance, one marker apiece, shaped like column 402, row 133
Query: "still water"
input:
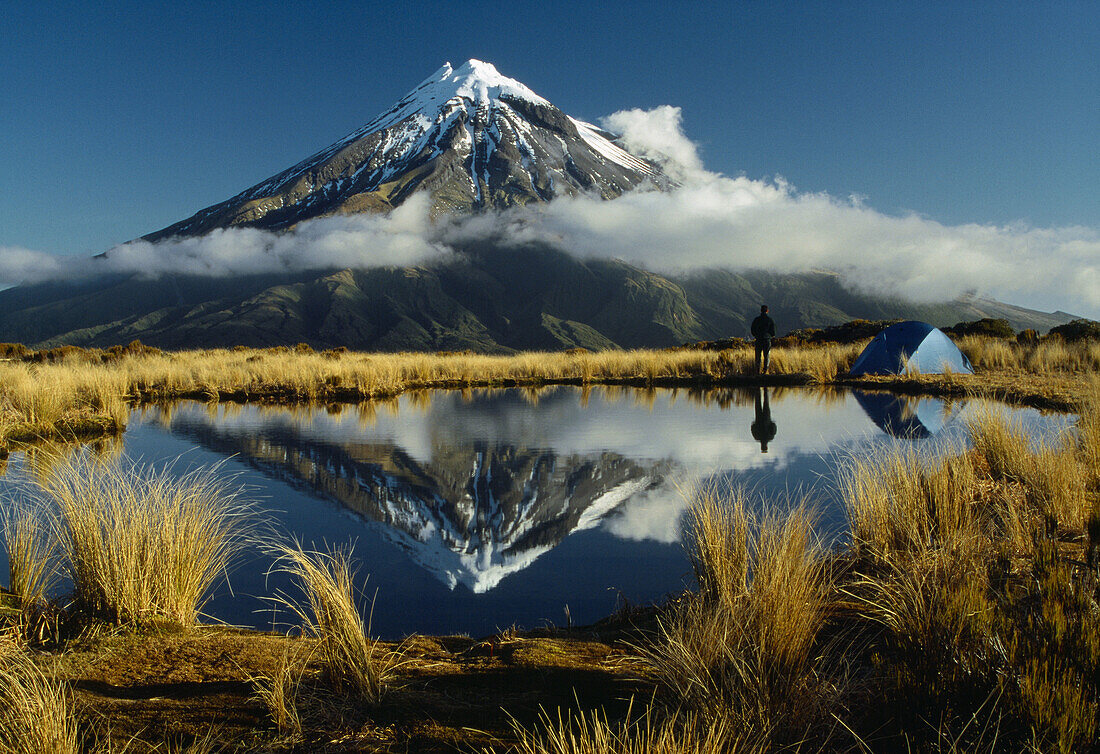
column 473, row 511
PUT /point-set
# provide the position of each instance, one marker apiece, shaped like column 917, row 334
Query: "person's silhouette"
column 763, row 428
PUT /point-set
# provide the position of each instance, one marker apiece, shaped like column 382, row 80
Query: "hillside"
column 490, row 299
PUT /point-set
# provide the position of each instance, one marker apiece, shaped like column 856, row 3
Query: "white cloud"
column 658, row 135
column 400, row 238
column 18, row 264
column 655, row 514
column 741, row 223
column 713, row 220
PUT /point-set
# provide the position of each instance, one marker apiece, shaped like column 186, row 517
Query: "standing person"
column 763, row 330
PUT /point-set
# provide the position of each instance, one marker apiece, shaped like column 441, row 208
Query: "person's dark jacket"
column 763, row 327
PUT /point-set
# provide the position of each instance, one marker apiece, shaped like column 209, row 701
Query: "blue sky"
column 119, row 119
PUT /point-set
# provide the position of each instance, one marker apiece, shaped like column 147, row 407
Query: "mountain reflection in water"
column 470, row 512
column 477, row 488
column 476, row 509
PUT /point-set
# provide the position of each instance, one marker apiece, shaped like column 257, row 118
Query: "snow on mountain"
column 469, row 136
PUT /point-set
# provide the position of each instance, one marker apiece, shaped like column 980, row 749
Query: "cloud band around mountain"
column 709, row 220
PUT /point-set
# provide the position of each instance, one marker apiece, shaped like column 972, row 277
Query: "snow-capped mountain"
column 469, row 136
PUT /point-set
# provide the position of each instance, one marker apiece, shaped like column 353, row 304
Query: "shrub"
column 1027, row 337
column 60, row 353
column 847, row 333
column 1078, row 329
column 987, row 326
column 13, row 351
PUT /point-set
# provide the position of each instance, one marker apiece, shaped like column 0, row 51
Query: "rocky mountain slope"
column 470, row 137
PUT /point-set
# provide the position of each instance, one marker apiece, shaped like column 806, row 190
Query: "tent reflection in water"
column 907, row 417
column 911, row 347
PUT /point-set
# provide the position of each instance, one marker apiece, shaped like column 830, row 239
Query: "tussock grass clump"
column 1002, row 444
column 899, row 503
column 972, row 570
column 742, row 650
column 142, row 544
column 32, row 563
column 279, row 694
column 937, row 647
column 353, row 662
column 36, row 712
column 1054, row 475
column 1088, row 429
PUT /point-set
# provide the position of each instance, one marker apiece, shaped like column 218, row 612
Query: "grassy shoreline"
column 82, row 395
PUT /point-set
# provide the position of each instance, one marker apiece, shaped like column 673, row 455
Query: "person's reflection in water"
column 763, row 428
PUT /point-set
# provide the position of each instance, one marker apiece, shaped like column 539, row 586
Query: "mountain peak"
column 474, row 81
column 470, row 136
column 477, row 74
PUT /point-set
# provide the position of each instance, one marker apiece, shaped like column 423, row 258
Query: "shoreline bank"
column 75, row 398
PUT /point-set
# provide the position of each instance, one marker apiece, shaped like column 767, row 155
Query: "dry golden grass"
column 310, row 376
column 1088, row 427
column 279, row 695
column 969, row 588
column 654, row 733
column 898, row 502
column 741, row 651
column 141, row 544
column 1050, row 355
column 823, row 363
column 963, row 617
column 970, row 566
column 75, row 396
column 32, row 564
column 1054, row 475
column 352, row 660
column 718, row 530
column 36, row 712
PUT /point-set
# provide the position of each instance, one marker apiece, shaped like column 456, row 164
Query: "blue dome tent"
column 916, row 346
